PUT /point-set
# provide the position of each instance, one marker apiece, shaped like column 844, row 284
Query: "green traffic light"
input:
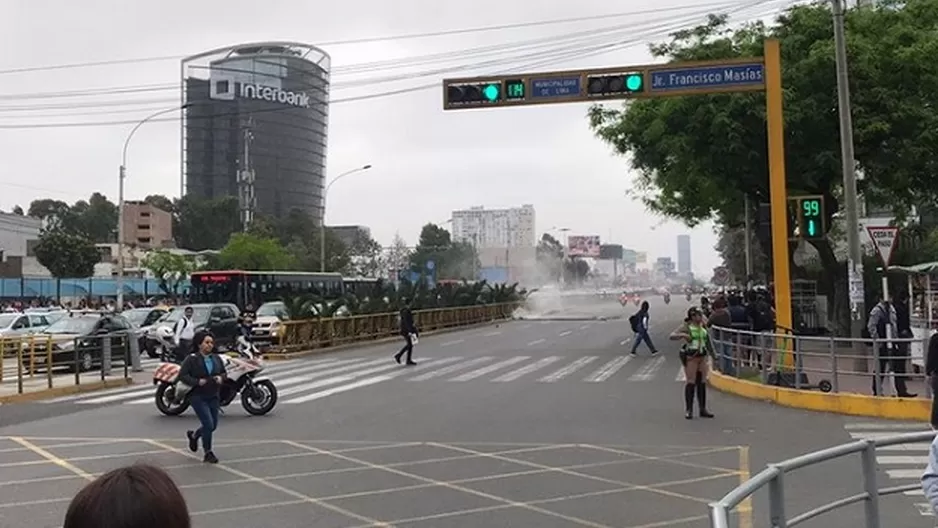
column 812, row 228
column 491, row 92
column 634, row 82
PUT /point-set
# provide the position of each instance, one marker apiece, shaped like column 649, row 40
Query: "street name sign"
column 884, row 240
column 705, row 77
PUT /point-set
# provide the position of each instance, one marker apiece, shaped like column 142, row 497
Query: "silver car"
column 17, row 324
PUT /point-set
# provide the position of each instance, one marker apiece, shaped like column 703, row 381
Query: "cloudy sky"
column 426, row 162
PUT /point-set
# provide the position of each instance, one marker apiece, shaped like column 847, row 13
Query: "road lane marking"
column 277, row 487
column 450, row 485
column 351, row 377
column 648, row 370
column 584, row 327
column 451, row 343
column 888, row 426
column 489, row 369
column 527, row 369
column 744, row 510
column 341, row 388
column 920, row 461
column 450, row 369
column 58, row 461
column 565, row 333
column 569, row 369
column 606, row 371
column 492, row 334
column 536, row 342
column 625, row 341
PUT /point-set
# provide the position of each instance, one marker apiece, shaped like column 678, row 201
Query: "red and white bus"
column 257, row 287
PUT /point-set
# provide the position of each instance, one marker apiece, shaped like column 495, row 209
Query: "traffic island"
column 917, row 409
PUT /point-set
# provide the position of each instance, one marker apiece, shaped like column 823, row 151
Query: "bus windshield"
column 216, row 289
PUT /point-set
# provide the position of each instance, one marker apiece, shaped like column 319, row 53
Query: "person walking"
column 204, row 371
column 639, row 321
column 882, row 326
column 408, row 331
column 183, row 333
column 694, row 357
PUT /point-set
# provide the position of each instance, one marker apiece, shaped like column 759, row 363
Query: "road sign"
column 884, row 240
column 556, row 87
column 431, row 265
column 708, row 77
column 721, row 276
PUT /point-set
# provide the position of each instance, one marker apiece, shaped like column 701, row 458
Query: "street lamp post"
column 322, row 223
column 120, row 202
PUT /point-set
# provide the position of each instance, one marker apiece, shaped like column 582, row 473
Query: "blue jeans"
column 727, row 366
column 642, row 335
column 207, row 411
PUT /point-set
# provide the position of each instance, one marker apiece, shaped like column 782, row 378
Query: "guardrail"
column 830, row 364
column 34, row 364
column 310, row 334
column 774, row 475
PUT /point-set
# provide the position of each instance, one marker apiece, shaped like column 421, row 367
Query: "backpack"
column 634, row 321
column 764, row 320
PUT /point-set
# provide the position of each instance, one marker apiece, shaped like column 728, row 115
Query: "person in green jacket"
column 694, row 358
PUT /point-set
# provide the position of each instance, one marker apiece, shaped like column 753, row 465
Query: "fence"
column 831, row 364
column 320, row 333
column 39, row 363
column 773, row 477
column 31, row 288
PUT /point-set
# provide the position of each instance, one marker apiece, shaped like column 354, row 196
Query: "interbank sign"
column 274, row 95
column 224, row 88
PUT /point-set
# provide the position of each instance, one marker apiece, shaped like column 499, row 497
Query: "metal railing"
column 774, row 475
column 325, row 332
column 830, row 364
column 35, row 363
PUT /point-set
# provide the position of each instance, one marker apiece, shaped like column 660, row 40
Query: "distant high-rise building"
column 504, row 240
column 683, row 254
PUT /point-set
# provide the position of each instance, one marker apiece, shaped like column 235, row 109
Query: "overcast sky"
column 426, row 162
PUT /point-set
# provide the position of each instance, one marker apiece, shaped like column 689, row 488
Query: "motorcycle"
column 258, row 394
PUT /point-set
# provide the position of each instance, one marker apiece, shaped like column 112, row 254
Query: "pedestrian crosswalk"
column 303, row 381
column 903, row 463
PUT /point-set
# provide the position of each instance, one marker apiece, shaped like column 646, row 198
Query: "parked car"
column 221, row 319
column 78, row 341
column 18, row 325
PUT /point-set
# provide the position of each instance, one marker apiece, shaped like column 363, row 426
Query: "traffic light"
column 615, row 85
column 475, row 94
column 812, row 217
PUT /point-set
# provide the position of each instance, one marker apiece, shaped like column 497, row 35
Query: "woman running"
column 694, row 358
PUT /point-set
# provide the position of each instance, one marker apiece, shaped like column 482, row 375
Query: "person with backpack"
column 183, row 332
column 639, row 323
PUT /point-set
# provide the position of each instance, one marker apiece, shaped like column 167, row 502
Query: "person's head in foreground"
column 138, row 496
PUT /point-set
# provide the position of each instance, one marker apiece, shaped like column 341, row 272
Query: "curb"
column 378, row 341
column 56, row 392
column 915, row 409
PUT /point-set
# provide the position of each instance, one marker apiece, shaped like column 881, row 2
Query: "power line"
column 567, row 55
column 408, row 36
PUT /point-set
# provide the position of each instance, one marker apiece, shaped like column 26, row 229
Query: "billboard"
column 641, row 257
column 610, row 252
column 583, row 246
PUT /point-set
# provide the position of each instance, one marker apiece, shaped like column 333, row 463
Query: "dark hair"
column 198, row 338
column 138, row 496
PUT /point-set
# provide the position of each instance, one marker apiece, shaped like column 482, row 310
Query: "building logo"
column 224, row 88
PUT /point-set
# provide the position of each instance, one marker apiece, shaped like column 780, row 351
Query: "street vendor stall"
column 923, row 306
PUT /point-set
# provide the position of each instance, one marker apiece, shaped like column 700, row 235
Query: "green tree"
column 161, row 202
column 549, row 254
column 169, row 269
column 51, row 211
column 249, row 252
column 97, row 218
column 66, row 254
column 17, row 210
column 201, row 224
column 731, row 245
column 365, row 257
column 697, row 156
column 451, row 260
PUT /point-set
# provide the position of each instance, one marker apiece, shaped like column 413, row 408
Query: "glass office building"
column 254, row 125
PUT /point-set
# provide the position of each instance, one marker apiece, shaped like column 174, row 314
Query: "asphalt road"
column 528, row 423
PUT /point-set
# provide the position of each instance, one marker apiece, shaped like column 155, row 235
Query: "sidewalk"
column 42, row 385
column 817, row 364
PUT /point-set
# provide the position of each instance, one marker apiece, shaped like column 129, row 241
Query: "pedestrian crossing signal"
column 812, row 217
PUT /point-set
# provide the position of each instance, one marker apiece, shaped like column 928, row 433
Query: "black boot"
column 702, row 400
column 688, row 400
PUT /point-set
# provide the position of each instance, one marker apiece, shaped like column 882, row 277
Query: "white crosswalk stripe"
column 303, row 381
column 903, row 463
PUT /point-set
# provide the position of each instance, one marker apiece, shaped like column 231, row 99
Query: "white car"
column 21, row 324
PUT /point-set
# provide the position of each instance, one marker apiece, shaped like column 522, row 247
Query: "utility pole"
column 848, row 166
column 748, row 229
column 246, row 197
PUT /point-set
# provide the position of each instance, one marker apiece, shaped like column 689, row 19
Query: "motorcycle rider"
column 204, row 371
column 246, row 321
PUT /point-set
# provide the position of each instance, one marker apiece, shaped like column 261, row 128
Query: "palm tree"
column 300, row 307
